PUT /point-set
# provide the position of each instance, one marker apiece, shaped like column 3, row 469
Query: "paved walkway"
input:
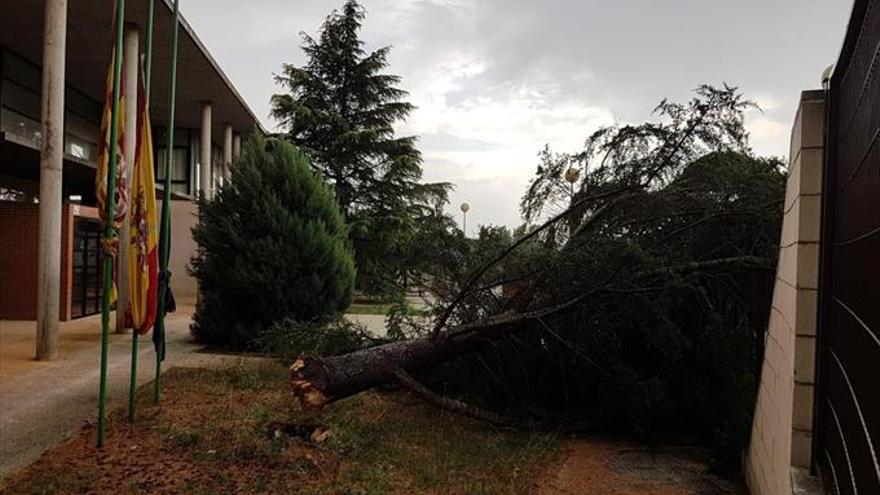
column 375, row 324
column 41, row 403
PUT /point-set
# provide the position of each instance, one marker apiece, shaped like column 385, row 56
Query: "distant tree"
column 272, row 246
column 340, row 109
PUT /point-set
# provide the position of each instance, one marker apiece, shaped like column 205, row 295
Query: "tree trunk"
column 317, row 381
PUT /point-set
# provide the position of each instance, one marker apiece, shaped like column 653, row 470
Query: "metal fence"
column 848, row 394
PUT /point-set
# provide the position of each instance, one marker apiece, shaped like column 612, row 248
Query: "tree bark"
column 318, row 381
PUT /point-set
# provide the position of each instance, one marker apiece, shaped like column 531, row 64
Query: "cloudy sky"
column 494, row 80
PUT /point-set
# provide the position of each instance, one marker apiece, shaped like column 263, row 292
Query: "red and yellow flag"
column 143, row 259
column 121, row 195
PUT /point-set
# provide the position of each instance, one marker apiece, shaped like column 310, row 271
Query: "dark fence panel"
column 848, row 396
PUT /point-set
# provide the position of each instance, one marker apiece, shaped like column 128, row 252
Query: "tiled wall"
column 782, row 427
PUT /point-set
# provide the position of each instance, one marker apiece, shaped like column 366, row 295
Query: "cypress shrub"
column 272, row 246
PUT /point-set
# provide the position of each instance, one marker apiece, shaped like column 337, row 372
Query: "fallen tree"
column 318, row 381
column 647, row 285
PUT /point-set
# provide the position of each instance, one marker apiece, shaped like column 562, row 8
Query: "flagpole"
column 148, row 65
column 165, row 226
column 110, row 231
column 148, row 51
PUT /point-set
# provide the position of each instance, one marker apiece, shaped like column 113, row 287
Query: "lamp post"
column 826, row 77
column 571, row 176
column 465, row 207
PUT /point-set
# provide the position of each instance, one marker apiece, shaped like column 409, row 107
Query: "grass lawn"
column 215, row 434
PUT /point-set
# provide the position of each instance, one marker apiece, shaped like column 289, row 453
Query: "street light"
column 826, row 76
column 465, row 207
column 571, row 176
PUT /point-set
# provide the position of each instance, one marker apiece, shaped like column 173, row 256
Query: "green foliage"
column 272, row 246
column 340, row 109
column 662, row 260
column 404, row 322
column 289, row 339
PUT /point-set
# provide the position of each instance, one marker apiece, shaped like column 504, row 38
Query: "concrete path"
column 375, row 324
column 44, row 403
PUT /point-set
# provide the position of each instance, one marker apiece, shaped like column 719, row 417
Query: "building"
column 54, row 59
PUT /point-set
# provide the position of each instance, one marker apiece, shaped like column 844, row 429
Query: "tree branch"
column 407, row 381
column 467, row 289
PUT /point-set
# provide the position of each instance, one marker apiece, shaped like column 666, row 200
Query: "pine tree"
column 340, row 108
column 272, row 246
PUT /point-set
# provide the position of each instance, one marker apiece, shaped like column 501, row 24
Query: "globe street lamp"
column 571, row 176
column 464, row 211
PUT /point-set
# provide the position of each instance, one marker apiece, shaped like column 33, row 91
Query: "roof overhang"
column 89, row 32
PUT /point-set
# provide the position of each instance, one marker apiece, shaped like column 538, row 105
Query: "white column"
column 51, row 156
column 205, row 171
column 236, row 147
column 227, row 151
column 130, row 61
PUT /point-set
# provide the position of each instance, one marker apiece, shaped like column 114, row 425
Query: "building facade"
column 44, row 45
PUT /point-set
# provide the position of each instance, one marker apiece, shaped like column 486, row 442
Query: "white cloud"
column 494, row 80
column 769, row 136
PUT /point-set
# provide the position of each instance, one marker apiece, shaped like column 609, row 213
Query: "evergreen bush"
column 272, row 245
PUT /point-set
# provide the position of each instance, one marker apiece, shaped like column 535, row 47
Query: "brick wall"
column 18, row 260
column 782, row 427
column 66, row 260
column 19, row 225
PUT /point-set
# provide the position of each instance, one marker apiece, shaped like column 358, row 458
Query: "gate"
column 848, row 393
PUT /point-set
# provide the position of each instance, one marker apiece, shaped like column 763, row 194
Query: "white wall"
column 783, row 423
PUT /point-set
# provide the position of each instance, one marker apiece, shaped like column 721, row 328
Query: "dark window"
column 179, row 169
column 87, row 268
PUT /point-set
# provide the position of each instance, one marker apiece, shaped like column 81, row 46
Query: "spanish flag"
column 143, row 259
column 104, row 154
column 111, row 246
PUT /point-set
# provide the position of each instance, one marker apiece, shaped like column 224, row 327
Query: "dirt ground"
column 606, row 467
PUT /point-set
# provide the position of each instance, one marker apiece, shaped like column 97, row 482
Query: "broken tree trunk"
column 318, row 381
